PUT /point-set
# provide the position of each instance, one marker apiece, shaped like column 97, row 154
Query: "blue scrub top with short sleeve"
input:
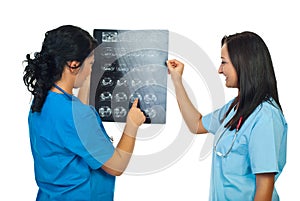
column 69, row 145
column 260, row 147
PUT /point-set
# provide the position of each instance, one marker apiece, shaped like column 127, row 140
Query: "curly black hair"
column 63, row 44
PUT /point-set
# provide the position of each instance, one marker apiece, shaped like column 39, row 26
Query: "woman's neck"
column 64, row 86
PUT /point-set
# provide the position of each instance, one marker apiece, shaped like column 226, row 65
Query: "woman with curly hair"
column 74, row 158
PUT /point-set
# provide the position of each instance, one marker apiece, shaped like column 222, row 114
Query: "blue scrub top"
column 260, row 147
column 69, row 145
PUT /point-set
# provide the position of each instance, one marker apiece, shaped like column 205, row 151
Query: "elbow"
column 116, row 173
column 198, row 131
column 198, row 127
column 193, row 131
column 193, row 128
column 112, row 171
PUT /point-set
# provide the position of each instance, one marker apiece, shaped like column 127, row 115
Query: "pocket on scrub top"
column 241, row 147
column 237, row 160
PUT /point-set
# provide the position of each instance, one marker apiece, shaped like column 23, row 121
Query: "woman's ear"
column 73, row 66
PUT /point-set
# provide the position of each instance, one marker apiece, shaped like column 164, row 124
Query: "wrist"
column 177, row 81
column 131, row 129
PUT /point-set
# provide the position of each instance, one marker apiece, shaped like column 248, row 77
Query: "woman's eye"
column 223, row 62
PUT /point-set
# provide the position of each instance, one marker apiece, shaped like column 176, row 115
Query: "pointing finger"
column 135, row 102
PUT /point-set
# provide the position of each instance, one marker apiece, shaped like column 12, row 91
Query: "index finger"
column 135, row 102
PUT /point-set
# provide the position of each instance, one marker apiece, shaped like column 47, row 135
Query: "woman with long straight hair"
column 249, row 150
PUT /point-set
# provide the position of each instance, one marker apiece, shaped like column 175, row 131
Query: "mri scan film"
column 130, row 64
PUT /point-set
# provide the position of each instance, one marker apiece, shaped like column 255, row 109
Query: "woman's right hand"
column 117, row 164
column 135, row 114
column 175, row 68
column 135, row 118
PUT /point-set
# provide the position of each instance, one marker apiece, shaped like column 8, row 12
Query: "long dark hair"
column 63, row 44
column 256, row 77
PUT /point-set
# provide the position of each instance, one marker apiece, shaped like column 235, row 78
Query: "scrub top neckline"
column 63, row 91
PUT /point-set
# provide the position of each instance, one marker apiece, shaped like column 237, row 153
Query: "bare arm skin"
column 190, row 114
column 264, row 186
column 117, row 164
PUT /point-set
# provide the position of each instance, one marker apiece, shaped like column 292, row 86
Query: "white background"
column 23, row 24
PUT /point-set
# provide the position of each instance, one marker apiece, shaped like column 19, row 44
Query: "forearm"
column 117, row 164
column 190, row 114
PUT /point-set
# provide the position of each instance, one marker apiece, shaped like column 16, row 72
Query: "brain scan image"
column 130, row 64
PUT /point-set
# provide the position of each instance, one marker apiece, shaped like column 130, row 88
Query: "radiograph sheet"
column 130, row 64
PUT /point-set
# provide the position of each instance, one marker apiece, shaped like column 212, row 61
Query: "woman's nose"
column 220, row 71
